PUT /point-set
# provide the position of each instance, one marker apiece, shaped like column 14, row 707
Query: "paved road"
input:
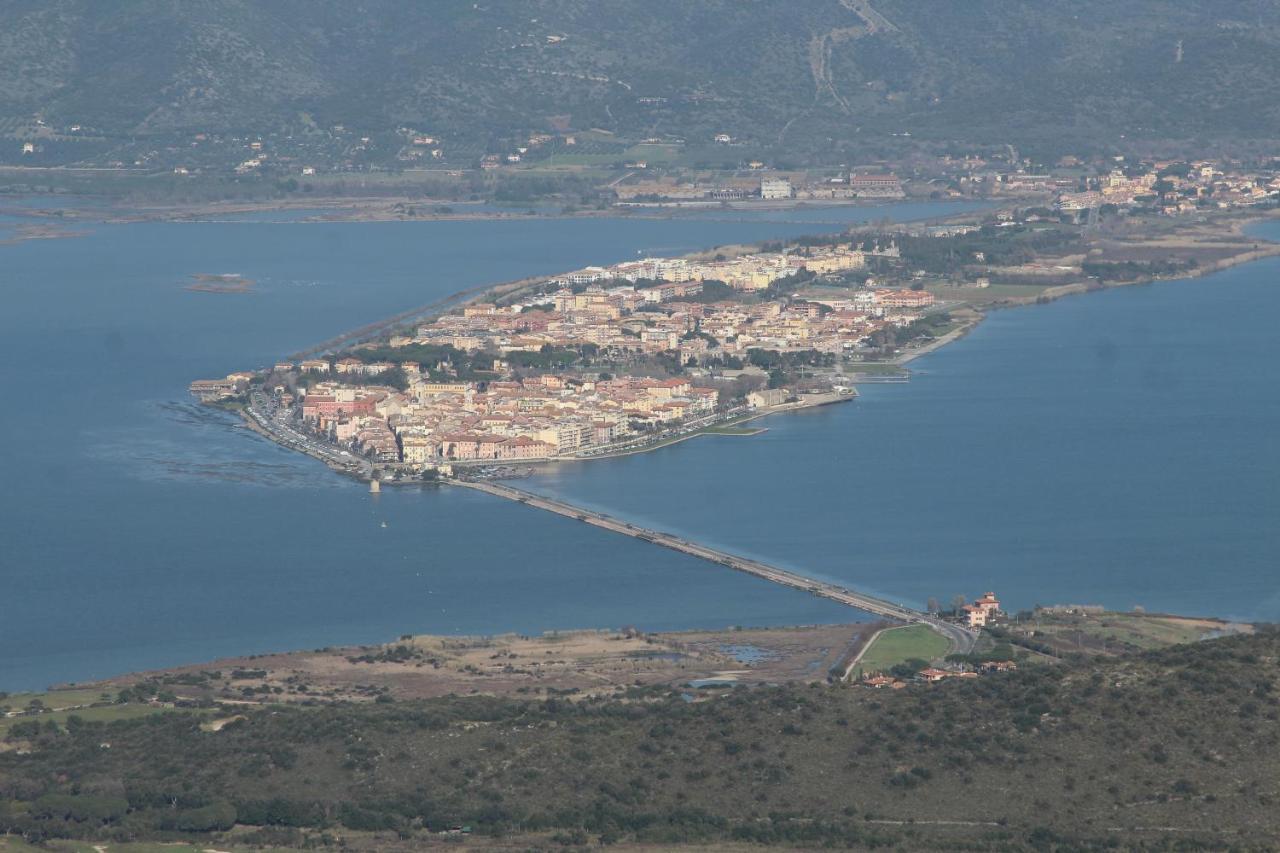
column 962, row 639
column 278, row 423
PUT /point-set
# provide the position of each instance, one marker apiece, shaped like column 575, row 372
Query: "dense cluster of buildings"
column 653, row 306
column 535, row 418
column 640, row 309
column 397, row 410
column 1174, row 188
column 770, row 187
column 755, row 271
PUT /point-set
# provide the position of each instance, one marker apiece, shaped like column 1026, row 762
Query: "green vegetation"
column 1134, row 270
column 922, row 330
column 990, row 294
column 998, row 246
column 875, row 368
column 819, row 82
column 1085, row 755
column 785, row 367
column 898, row 646
column 16, row 845
column 733, row 430
column 1110, row 633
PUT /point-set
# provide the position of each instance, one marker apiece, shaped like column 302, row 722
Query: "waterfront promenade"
column 962, row 639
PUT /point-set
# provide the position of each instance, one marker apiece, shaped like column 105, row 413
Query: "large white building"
column 775, row 188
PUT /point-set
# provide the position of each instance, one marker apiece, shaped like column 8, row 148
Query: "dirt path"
column 821, row 46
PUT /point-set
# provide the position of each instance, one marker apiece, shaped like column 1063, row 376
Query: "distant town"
column 584, row 169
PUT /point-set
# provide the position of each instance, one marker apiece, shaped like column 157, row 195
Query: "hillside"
column 814, row 81
column 1172, row 749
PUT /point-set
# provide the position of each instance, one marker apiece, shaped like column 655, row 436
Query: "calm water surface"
column 1120, row 448
column 1117, row 448
column 137, row 530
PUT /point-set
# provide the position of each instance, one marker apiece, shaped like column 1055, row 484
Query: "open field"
column 996, row 293
column 15, row 845
column 735, row 430
column 63, row 698
column 97, row 704
column 577, row 663
column 103, row 714
column 899, row 645
column 1109, row 633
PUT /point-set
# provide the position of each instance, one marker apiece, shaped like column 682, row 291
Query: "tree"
column 957, row 602
column 932, row 605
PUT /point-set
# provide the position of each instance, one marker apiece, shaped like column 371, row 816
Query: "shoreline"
column 1262, row 250
column 722, row 640
column 328, row 209
column 974, row 315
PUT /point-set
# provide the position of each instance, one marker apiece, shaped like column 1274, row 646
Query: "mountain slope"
column 771, row 71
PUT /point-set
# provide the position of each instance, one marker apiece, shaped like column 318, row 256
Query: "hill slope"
column 1178, row 747
column 817, row 76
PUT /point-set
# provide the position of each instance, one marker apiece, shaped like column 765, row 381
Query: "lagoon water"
column 1116, row 448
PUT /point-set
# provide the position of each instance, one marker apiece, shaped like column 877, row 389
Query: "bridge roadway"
column 962, row 639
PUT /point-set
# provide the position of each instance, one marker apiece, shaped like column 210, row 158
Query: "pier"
column 962, row 639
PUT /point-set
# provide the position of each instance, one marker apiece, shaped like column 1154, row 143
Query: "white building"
column 775, row 188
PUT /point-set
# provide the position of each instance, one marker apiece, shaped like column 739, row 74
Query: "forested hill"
column 1169, row 750
column 796, row 75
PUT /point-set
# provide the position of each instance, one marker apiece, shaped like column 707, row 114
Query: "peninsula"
column 623, row 358
column 592, row 362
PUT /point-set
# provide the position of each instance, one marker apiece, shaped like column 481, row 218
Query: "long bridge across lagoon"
column 962, row 639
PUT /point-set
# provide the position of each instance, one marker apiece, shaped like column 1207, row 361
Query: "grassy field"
column 899, row 645
column 73, row 702
column 104, row 714
column 734, row 430
column 56, row 698
column 17, row 845
column 1113, row 633
column 988, row 295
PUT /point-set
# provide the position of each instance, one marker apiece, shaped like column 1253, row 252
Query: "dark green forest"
column 1083, row 755
column 814, row 80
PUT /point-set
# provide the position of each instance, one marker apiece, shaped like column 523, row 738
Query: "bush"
column 217, row 817
column 80, row 808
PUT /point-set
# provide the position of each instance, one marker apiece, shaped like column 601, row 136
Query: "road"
column 962, row 639
column 277, row 422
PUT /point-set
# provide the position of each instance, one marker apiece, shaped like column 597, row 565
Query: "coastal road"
column 962, row 639
column 276, row 423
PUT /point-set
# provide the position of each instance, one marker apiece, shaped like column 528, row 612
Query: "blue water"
column 137, row 530
column 1116, row 448
column 1120, row 448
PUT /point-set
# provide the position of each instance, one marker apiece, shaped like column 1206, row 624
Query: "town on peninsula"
column 640, row 426
column 616, row 359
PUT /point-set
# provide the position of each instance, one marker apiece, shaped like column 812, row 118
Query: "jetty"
column 962, row 639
